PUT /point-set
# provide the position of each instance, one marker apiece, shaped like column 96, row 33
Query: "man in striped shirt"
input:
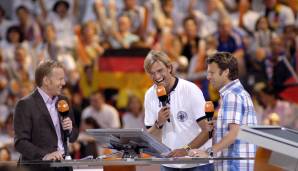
column 236, row 109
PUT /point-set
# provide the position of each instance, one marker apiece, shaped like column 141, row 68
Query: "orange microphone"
column 63, row 108
column 162, row 96
column 209, row 112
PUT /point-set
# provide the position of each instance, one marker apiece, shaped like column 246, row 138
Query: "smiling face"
column 53, row 83
column 216, row 77
column 161, row 75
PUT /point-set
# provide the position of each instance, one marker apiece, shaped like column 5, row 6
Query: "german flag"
column 123, row 69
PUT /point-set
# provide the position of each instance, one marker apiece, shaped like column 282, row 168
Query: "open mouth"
column 159, row 81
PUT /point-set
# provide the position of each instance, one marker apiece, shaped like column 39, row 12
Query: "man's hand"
column 67, row 124
column 178, row 153
column 198, row 153
column 56, row 155
column 163, row 115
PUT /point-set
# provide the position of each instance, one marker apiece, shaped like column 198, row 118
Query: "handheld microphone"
column 63, row 110
column 209, row 112
column 162, row 96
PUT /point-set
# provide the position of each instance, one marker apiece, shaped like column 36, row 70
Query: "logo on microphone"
column 182, row 116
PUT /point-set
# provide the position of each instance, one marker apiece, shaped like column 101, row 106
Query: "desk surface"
column 148, row 161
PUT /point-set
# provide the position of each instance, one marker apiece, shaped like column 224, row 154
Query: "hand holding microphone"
column 163, row 99
column 209, row 112
column 63, row 109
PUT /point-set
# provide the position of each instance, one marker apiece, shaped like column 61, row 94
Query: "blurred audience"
column 81, row 34
column 134, row 116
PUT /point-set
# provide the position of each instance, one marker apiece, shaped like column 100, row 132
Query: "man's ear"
column 171, row 69
column 226, row 72
column 45, row 80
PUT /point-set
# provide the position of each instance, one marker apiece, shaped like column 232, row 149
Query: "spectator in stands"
column 123, row 37
column 213, row 11
column 49, row 49
column 85, row 144
column 105, row 115
column 137, row 16
column 276, row 65
column 270, row 103
column 87, row 45
column 134, row 116
column 279, row 15
column 14, row 38
column 230, row 41
column 21, row 67
column 244, row 18
column 4, row 23
column 193, row 46
column 263, row 35
column 167, row 24
column 89, row 81
column 29, row 26
column 63, row 21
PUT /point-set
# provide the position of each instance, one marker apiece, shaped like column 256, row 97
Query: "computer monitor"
column 131, row 141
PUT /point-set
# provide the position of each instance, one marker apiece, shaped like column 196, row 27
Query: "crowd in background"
column 261, row 34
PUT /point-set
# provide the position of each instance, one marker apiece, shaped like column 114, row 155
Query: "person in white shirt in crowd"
column 63, row 20
column 214, row 11
column 14, row 38
column 181, row 125
column 123, row 37
column 29, row 26
column 244, row 17
column 134, row 116
column 105, row 115
column 279, row 15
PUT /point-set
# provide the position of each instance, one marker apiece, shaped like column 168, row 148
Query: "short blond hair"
column 154, row 56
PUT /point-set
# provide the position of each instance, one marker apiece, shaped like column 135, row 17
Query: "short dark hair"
column 225, row 60
column 44, row 69
column 16, row 29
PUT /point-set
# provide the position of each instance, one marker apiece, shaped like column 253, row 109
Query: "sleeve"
column 22, row 127
column 197, row 102
column 150, row 114
column 232, row 109
column 115, row 121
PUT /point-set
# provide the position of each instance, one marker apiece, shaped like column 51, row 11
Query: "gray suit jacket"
column 35, row 135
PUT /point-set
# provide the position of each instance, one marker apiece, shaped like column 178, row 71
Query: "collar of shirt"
column 224, row 89
column 46, row 98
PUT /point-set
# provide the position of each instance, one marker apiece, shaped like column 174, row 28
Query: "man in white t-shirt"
column 181, row 125
column 105, row 115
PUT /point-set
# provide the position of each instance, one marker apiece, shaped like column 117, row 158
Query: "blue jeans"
column 206, row 167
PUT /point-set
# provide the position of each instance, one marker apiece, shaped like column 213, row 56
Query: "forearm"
column 226, row 141
column 200, row 140
column 155, row 132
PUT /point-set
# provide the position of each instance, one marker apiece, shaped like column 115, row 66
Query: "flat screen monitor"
column 130, row 138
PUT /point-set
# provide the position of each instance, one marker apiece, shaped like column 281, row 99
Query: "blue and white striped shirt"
column 236, row 107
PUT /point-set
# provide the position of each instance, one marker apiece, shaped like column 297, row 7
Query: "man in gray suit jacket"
column 39, row 129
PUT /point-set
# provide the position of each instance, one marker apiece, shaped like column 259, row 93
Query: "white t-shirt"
column 186, row 106
column 107, row 117
column 130, row 121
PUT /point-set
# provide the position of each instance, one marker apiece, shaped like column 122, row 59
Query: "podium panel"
column 279, row 144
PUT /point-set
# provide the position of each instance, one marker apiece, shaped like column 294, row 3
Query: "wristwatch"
column 210, row 152
column 157, row 125
column 187, row 148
